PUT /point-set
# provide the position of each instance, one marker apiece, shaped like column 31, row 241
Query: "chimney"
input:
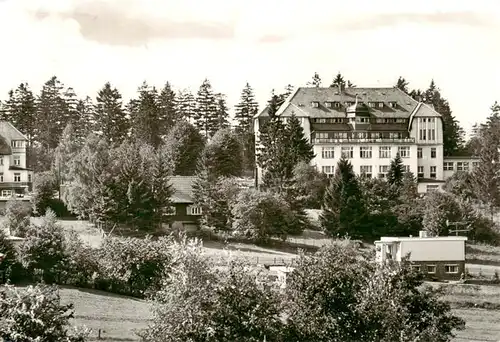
column 422, row 234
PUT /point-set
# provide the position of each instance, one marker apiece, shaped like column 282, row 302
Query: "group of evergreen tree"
column 148, row 117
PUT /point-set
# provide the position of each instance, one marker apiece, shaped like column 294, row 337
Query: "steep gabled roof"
column 183, row 189
column 9, row 132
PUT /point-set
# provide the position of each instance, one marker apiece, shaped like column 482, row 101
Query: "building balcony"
column 14, row 185
column 363, row 141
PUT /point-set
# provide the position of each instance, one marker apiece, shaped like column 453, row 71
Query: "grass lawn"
column 117, row 316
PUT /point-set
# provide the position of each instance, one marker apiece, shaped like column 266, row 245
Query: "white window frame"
column 365, row 152
column 406, row 168
column 17, row 177
column 429, row 266
column 433, row 172
column 448, row 266
column 460, row 166
column 194, row 210
column 328, row 152
column 417, row 268
column 366, row 170
column 420, row 153
column 384, row 152
column 448, row 166
column 407, row 151
column 433, row 152
column 17, row 160
column 383, row 170
column 420, row 172
column 1, row 177
column 347, row 152
column 315, row 104
column 432, row 188
column 328, row 170
column 6, row 193
column 466, row 166
column 172, row 211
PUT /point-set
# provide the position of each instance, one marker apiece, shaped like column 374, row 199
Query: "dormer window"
column 337, row 104
column 372, row 104
column 393, row 104
column 328, row 105
column 315, row 104
column 380, row 105
column 17, row 143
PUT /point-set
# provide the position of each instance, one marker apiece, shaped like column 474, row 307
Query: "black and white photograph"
column 249, row 171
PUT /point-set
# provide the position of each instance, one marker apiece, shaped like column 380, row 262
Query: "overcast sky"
column 267, row 43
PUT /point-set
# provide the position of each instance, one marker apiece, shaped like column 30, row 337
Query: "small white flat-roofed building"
column 441, row 257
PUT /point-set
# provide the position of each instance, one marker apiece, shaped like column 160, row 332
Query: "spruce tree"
column 300, row 148
column 20, row 110
column 339, row 81
column 453, row 134
column 402, row 84
column 52, row 114
column 222, row 114
column 343, row 208
column 186, row 105
column 206, row 110
column 65, row 152
column 145, row 116
column 396, row 171
column 184, row 145
column 85, row 119
column 169, row 114
column 222, row 155
column 315, row 81
column 110, row 119
column 245, row 110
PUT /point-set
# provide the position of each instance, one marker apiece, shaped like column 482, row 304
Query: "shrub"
column 82, row 262
column 35, row 314
column 133, row 266
column 43, row 248
column 17, row 217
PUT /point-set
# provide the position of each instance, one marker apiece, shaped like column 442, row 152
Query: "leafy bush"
column 17, row 217
column 35, row 314
column 43, row 248
column 261, row 215
column 133, row 266
column 82, row 262
column 44, row 187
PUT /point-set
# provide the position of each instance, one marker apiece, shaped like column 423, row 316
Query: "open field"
column 119, row 316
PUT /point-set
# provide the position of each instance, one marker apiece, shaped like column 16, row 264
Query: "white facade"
column 445, row 248
column 406, row 126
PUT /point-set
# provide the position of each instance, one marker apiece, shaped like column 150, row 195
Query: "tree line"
column 147, row 117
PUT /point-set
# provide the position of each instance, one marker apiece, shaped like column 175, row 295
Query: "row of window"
column 365, row 152
column 365, row 170
column 421, row 172
column 191, row 210
column 17, row 160
column 361, row 135
column 337, row 104
column 427, row 131
column 461, row 166
column 431, row 269
column 17, row 177
column 17, row 143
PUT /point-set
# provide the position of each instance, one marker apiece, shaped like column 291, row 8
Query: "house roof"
column 300, row 102
column 4, row 147
column 9, row 132
column 183, row 189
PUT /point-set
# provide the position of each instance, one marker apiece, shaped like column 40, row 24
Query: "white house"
column 15, row 176
column 440, row 257
column 369, row 126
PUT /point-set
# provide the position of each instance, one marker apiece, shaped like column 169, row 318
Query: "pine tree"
column 222, row 113
column 343, row 208
column 52, row 114
column 453, row 134
column 402, row 84
column 110, row 119
column 300, row 148
column 245, row 110
column 169, row 113
column 145, row 116
column 84, row 124
column 186, row 105
column 206, row 110
column 184, row 144
column 339, row 81
column 396, row 171
column 316, row 81
column 20, row 110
